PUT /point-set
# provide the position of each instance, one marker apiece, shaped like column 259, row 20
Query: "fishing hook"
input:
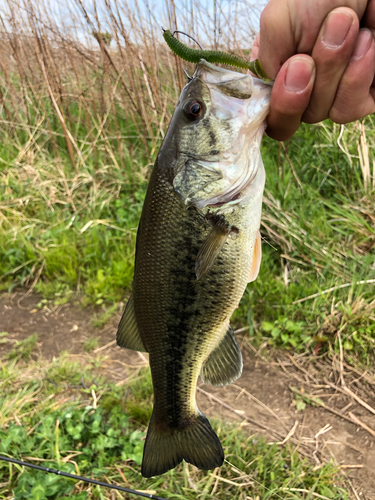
column 186, row 34
column 187, row 74
column 189, row 36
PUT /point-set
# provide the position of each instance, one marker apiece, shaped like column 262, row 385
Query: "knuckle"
column 314, row 115
column 270, row 16
column 340, row 116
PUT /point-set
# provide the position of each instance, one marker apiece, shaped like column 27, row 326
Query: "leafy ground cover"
column 61, row 415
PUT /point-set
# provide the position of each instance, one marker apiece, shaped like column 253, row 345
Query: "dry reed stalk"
column 364, row 158
column 68, row 137
column 67, row 98
column 172, row 18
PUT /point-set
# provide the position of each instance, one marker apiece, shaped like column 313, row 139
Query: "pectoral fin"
column 211, row 248
column 128, row 334
column 224, row 365
column 257, row 258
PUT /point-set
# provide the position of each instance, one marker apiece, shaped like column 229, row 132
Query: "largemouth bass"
column 198, row 245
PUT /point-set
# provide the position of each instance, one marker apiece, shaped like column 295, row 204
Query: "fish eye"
column 193, row 109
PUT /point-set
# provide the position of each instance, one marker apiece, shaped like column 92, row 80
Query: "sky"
column 234, row 17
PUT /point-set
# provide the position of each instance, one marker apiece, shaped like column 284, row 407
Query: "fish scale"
column 195, row 253
column 188, row 308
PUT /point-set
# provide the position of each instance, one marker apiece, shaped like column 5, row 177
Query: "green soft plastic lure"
column 213, row 56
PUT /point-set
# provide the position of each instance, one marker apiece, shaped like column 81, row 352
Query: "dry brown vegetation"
column 86, row 95
column 86, row 78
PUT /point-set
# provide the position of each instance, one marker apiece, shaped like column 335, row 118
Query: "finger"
column 369, row 17
column 331, row 54
column 289, row 27
column 290, row 96
column 355, row 97
column 276, row 42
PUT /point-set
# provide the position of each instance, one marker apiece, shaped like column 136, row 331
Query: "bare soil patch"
column 263, row 399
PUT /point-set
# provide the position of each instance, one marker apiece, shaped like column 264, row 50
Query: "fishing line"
column 81, row 478
column 107, row 485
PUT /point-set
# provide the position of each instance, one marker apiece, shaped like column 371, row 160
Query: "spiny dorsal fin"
column 211, row 248
column 224, row 365
column 128, row 334
column 257, row 258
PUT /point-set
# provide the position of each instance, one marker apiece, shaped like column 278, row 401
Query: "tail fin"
column 197, row 443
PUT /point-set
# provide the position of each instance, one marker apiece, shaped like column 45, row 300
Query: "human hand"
column 323, row 64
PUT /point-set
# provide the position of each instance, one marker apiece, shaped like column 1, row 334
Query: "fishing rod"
column 81, row 478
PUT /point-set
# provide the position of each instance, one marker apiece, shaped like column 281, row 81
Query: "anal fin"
column 128, row 334
column 224, row 365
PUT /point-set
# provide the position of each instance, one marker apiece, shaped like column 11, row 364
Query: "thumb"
column 290, row 96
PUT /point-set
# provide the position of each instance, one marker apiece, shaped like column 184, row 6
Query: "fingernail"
column 362, row 44
column 298, row 74
column 336, row 29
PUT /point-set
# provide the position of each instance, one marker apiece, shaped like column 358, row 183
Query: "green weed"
column 94, row 431
column 24, row 349
column 3, row 337
column 99, row 320
column 90, row 344
column 286, row 333
column 301, row 399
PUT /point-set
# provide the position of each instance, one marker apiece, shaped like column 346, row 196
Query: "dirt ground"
column 262, row 399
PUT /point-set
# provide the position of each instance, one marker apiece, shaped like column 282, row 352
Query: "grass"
column 99, row 430
column 24, row 349
column 79, row 248
column 82, row 119
column 91, row 344
column 99, row 320
column 319, row 233
column 318, row 227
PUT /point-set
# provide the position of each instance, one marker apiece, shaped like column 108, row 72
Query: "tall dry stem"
column 60, row 64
